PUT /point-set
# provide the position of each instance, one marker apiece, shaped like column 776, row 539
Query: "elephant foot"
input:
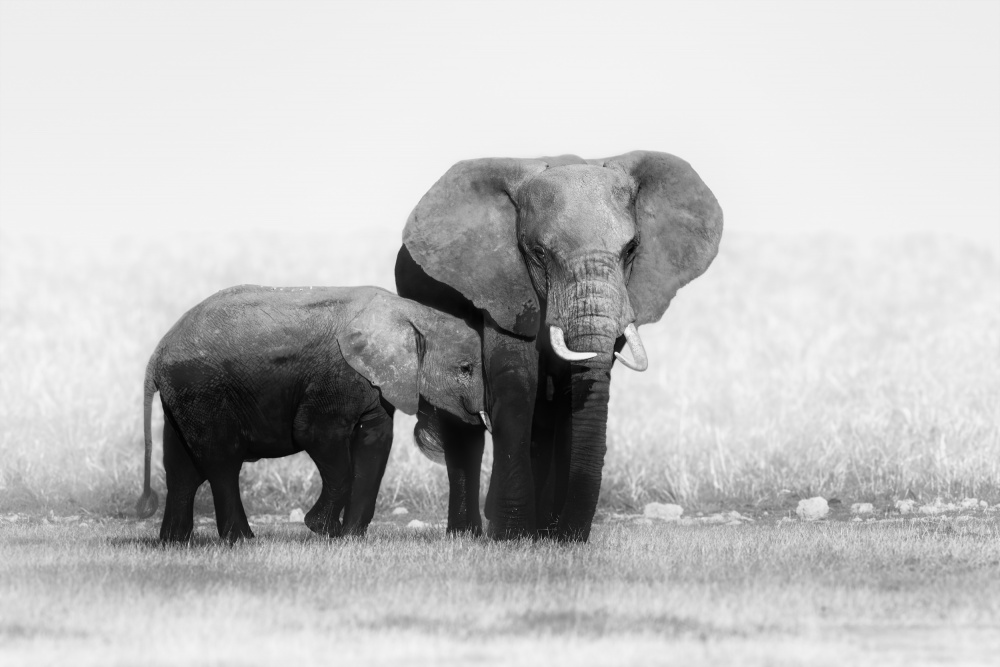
column 237, row 533
column 323, row 523
column 497, row 531
column 315, row 523
column 565, row 533
column 355, row 531
column 174, row 530
column 170, row 534
column 547, row 528
column 465, row 531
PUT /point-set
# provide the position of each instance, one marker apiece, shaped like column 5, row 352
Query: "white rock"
column 417, row 524
column 811, row 509
column 969, row 504
column 399, row 511
column 937, row 507
column 862, row 508
column 663, row 511
column 296, row 516
column 905, row 506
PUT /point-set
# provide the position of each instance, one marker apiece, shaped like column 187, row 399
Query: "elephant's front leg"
column 510, row 365
column 463, row 455
column 462, row 446
column 371, row 442
column 334, row 463
column 327, row 440
column 550, row 449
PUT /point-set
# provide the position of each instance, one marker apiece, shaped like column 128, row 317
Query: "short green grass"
column 861, row 368
column 880, row 592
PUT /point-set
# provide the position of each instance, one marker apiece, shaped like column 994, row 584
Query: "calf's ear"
column 383, row 345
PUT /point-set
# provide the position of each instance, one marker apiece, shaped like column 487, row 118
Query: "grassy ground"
column 767, row 593
column 865, row 369
column 861, row 369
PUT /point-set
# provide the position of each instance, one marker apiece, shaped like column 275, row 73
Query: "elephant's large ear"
column 680, row 224
column 382, row 344
column 464, row 234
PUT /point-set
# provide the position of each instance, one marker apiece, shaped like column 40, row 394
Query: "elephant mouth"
column 477, row 416
column 486, row 421
column 639, row 362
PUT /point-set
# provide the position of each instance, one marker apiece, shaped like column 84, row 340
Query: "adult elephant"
column 556, row 261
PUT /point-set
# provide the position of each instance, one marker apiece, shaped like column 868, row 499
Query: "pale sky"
column 868, row 117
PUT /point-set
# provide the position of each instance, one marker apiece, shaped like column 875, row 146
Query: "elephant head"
column 595, row 247
column 412, row 352
column 508, row 233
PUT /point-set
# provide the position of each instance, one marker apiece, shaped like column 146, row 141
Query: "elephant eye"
column 466, row 368
column 630, row 249
column 539, row 253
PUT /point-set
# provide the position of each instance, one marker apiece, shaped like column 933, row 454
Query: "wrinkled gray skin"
column 262, row 372
column 515, row 247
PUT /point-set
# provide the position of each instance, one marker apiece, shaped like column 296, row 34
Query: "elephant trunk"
column 595, row 312
column 590, row 391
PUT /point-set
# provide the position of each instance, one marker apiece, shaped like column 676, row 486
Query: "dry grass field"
column 861, row 369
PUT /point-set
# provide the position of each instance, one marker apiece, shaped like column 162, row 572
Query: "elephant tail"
column 147, row 503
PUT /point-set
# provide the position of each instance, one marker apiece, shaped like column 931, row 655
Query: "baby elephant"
column 261, row 372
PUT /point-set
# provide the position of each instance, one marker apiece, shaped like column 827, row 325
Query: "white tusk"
column 559, row 347
column 638, row 351
column 486, row 420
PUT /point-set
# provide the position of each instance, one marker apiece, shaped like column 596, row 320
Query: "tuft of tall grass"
column 858, row 368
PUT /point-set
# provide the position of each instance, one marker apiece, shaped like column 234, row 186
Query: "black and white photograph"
column 540, row 332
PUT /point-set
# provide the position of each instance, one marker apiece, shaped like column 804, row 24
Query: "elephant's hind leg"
column 183, row 480
column 230, row 517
